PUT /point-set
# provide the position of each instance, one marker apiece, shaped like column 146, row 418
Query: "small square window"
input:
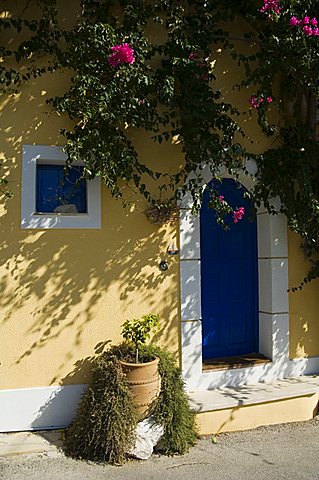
column 60, row 191
column 55, row 197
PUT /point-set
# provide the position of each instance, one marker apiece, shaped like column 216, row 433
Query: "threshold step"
column 244, row 395
column 228, row 363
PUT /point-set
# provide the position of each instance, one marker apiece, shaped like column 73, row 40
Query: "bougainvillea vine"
column 123, row 78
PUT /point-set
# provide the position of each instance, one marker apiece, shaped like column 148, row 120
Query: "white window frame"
column 30, row 219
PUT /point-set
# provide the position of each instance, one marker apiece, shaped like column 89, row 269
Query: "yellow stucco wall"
column 65, row 292
column 303, row 305
column 252, row 416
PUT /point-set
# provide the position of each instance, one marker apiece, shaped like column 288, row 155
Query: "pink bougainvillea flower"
column 308, row 30
column 308, row 25
column 253, row 101
column 256, row 102
column 122, row 53
column 270, row 7
column 294, row 21
column 193, row 56
column 221, row 198
column 113, row 61
column 238, row 214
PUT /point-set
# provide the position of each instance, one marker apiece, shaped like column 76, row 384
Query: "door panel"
column 229, row 279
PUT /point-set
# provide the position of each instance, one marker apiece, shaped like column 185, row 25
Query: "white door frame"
column 273, row 301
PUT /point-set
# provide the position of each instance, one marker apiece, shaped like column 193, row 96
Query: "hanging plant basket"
column 161, row 214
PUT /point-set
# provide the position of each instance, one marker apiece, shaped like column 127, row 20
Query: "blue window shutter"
column 73, row 191
column 55, row 188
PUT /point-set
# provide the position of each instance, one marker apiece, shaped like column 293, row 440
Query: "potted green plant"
column 142, row 376
column 138, row 330
column 104, row 427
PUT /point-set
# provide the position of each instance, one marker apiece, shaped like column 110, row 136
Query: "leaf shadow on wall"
column 58, row 280
column 63, row 291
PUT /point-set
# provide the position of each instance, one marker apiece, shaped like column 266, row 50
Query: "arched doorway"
column 229, row 278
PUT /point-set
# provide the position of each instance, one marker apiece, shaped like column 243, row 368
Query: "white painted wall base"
column 38, row 408
column 46, row 408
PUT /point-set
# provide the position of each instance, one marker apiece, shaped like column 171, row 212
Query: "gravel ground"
column 281, row 452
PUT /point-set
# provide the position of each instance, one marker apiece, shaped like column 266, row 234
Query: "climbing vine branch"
column 123, row 79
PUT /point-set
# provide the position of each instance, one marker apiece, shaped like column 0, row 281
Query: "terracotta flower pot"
column 144, row 382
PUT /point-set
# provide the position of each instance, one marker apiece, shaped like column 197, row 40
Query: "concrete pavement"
column 281, row 452
column 24, row 443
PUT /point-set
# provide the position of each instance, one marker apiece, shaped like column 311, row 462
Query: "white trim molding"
column 33, row 154
column 45, row 408
column 273, row 303
column 39, row 408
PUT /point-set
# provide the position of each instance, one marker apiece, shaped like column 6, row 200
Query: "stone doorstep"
column 245, row 395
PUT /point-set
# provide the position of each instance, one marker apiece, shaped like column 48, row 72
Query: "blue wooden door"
column 229, row 278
